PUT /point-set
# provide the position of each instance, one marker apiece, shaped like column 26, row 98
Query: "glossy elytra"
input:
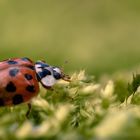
column 20, row 77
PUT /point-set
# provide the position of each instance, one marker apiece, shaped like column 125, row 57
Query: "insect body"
column 20, row 77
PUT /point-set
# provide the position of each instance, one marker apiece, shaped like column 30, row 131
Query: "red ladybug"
column 19, row 79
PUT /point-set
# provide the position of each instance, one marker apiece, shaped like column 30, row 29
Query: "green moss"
column 76, row 110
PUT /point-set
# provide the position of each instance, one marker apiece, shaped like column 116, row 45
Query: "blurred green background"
column 101, row 36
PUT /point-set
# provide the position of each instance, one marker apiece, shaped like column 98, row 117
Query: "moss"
column 76, row 110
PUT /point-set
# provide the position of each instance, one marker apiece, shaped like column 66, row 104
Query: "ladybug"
column 20, row 77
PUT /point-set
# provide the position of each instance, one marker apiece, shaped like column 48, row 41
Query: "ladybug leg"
column 29, row 110
column 49, row 88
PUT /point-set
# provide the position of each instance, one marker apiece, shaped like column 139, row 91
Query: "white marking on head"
column 57, row 70
column 48, row 81
column 38, row 68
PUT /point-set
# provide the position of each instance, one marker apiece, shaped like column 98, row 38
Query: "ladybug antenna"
column 64, row 76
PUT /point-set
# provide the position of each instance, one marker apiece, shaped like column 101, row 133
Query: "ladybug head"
column 48, row 75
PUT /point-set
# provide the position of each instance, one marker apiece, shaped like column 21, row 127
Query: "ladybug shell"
column 18, row 82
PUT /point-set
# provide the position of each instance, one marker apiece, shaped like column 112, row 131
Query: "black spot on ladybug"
column 17, row 99
column 1, row 102
column 28, row 76
column 56, row 75
column 12, row 62
column 44, row 73
column 13, row 72
column 31, row 67
column 30, row 88
column 26, row 59
column 10, row 87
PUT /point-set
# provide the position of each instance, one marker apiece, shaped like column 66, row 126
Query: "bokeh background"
column 100, row 36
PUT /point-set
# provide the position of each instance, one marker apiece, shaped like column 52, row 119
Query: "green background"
column 101, row 36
